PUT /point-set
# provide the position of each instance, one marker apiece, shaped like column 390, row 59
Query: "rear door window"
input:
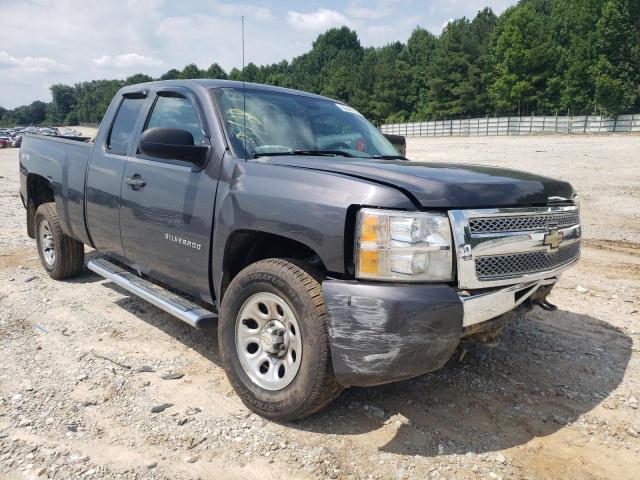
column 122, row 128
column 176, row 112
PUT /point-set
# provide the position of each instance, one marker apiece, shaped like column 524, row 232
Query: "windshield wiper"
column 389, row 157
column 321, row 153
column 341, row 153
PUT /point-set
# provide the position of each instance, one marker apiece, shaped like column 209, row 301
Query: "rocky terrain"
column 97, row 384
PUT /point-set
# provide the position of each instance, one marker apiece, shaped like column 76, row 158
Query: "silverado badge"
column 182, row 241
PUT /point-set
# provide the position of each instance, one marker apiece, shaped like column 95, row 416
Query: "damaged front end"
column 506, row 261
column 383, row 333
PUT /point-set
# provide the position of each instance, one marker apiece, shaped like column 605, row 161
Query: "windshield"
column 280, row 123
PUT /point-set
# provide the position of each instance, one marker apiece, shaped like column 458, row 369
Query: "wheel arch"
column 39, row 191
column 244, row 247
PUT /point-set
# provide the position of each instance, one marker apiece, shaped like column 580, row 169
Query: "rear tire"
column 259, row 350
column 61, row 256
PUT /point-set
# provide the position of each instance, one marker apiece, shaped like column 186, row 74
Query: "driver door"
column 166, row 213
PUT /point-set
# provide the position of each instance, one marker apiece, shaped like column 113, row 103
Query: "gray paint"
column 177, row 202
column 384, row 333
column 63, row 163
column 103, row 185
column 303, row 205
column 444, row 185
column 379, row 332
column 184, row 214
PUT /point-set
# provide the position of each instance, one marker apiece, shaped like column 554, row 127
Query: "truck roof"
column 213, row 83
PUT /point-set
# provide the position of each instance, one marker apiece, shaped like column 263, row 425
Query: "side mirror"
column 398, row 141
column 172, row 144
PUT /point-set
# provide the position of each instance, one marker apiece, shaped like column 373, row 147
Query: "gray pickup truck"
column 284, row 219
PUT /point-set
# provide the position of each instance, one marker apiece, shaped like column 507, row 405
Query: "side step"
column 179, row 307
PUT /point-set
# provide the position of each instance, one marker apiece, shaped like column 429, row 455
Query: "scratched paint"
column 385, row 333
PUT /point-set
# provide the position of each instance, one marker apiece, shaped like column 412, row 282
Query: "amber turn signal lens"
column 369, row 261
column 369, row 232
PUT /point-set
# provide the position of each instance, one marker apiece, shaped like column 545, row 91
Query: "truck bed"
column 63, row 162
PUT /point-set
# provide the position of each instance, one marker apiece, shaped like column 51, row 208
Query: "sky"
column 43, row 42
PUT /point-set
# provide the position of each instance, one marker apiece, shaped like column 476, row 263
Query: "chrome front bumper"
column 487, row 304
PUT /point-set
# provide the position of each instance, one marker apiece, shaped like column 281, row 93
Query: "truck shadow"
column 547, row 371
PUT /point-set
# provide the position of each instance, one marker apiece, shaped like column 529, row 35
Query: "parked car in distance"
column 13, row 136
column 5, row 142
column 324, row 258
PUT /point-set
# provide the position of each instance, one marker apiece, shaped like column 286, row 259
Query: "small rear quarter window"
column 122, row 128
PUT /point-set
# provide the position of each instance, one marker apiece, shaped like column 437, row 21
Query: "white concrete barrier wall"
column 516, row 126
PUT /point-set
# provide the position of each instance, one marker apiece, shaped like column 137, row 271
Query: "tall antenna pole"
column 244, row 98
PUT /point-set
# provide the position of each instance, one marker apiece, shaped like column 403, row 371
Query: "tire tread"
column 69, row 251
column 325, row 386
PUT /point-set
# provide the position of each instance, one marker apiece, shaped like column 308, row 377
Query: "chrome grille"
column 500, row 246
column 500, row 266
column 523, row 223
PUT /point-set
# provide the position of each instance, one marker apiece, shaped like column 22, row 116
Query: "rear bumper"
column 383, row 333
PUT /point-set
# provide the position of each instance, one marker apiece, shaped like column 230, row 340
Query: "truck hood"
column 443, row 185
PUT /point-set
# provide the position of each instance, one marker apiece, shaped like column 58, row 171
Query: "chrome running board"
column 179, row 307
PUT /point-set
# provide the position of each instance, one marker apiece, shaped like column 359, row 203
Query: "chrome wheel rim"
column 46, row 243
column 268, row 341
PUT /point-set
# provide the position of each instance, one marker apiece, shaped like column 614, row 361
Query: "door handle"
column 136, row 182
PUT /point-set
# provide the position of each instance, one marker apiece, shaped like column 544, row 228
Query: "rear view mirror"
column 399, row 142
column 172, row 144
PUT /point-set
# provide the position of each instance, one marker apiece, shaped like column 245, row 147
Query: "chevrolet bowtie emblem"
column 553, row 239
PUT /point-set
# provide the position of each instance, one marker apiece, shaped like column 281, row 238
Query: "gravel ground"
column 82, row 393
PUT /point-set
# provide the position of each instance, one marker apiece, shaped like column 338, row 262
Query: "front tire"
column 61, row 256
column 274, row 341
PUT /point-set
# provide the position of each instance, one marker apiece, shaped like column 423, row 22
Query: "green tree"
column 524, row 58
column 251, row 73
column 323, row 68
column 616, row 71
column 63, row 101
column 363, row 78
column 539, row 55
column 335, row 54
column 572, row 23
column 457, row 71
column 235, row 74
column 172, row 74
column 191, row 71
column 138, row 78
column 37, row 112
column 93, row 99
column 33, row 114
column 482, row 28
column 389, row 89
column 275, row 74
column 417, row 57
column 8, row 118
column 448, row 71
column 215, row 71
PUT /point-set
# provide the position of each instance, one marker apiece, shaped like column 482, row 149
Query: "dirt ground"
column 82, row 365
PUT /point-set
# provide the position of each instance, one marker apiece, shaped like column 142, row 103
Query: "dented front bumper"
column 383, row 333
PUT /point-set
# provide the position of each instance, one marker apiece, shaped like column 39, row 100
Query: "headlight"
column 403, row 246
